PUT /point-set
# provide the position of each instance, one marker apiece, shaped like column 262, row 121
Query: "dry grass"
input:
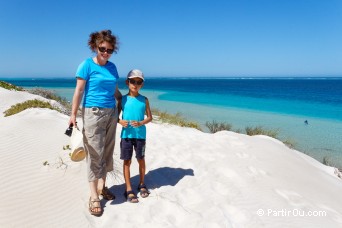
column 259, row 130
column 215, row 126
column 175, row 119
column 289, row 143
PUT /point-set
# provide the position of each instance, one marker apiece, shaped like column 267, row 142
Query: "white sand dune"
column 196, row 179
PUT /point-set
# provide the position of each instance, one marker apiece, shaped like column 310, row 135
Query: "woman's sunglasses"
column 133, row 82
column 103, row 50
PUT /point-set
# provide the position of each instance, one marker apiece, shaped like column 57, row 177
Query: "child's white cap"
column 135, row 74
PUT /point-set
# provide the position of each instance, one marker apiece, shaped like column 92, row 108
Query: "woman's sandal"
column 144, row 192
column 107, row 195
column 92, row 207
column 131, row 197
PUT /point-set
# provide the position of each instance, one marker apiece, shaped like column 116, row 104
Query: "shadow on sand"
column 153, row 179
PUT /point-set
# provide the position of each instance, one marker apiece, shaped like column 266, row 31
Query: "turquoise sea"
column 275, row 103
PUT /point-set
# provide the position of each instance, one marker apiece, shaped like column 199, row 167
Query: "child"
column 133, row 134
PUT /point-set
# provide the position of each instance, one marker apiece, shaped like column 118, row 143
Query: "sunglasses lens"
column 135, row 82
column 103, row 49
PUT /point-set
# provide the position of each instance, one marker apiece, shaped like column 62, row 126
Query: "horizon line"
column 189, row 77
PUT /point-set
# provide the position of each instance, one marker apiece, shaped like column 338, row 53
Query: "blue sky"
column 175, row 37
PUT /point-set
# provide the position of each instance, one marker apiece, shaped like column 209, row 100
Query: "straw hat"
column 76, row 142
column 78, row 154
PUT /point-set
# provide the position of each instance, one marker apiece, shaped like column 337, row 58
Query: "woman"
column 97, row 84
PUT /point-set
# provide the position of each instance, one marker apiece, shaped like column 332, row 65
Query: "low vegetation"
column 259, row 130
column 289, row 143
column 329, row 161
column 215, row 126
column 65, row 106
column 326, row 161
column 14, row 109
column 52, row 96
column 176, row 119
column 9, row 86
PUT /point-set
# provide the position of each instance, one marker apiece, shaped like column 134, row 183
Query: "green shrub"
column 175, row 119
column 52, row 96
column 214, row 126
column 9, row 86
column 259, row 130
column 14, row 109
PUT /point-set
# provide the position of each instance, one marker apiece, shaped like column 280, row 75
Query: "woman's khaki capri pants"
column 99, row 127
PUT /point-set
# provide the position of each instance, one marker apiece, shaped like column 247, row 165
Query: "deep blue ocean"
column 277, row 103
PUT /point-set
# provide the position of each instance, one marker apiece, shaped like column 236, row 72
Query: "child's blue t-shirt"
column 133, row 108
column 101, row 83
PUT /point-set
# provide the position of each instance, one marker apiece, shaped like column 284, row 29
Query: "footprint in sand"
column 252, row 171
column 242, row 155
column 292, row 197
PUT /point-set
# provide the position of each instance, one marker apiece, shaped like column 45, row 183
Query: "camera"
column 68, row 131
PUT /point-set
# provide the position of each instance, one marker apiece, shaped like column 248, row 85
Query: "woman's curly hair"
column 96, row 38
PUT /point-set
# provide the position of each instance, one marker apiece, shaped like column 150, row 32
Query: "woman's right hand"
column 73, row 121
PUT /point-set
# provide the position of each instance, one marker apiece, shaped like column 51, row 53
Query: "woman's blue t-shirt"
column 101, row 83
